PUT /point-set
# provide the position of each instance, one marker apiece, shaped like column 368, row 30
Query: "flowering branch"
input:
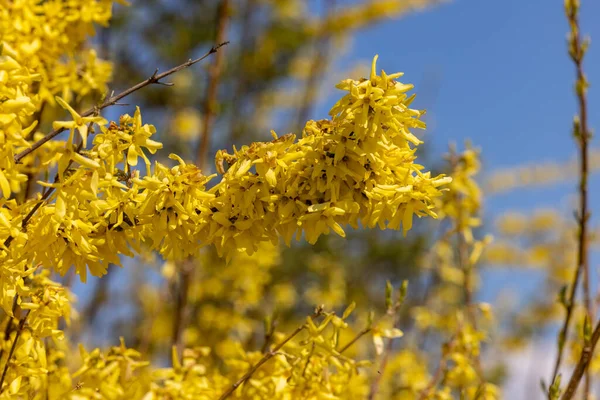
column 267, row 357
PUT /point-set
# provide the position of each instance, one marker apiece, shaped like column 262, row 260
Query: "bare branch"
column 214, row 75
column 154, row 79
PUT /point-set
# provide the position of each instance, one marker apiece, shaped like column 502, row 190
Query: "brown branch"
column 355, row 339
column 269, row 332
column 9, row 324
column 214, row 74
column 319, row 62
column 12, row 349
column 186, row 273
column 181, row 292
column 439, row 372
column 583, row 364
column 154, row 79
column 31, row 174
column 246, row 46
column 266, row 357
column 377, row 381
column 45, row 196
column 581, row 133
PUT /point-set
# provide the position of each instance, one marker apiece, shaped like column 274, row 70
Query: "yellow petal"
column 132, row 156
column 4, row 185
column 67, row 107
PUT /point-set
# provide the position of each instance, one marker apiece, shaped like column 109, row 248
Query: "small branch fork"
column 266, row 357
column 113, row 100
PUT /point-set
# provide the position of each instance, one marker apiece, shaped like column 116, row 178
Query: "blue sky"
column 495, row 72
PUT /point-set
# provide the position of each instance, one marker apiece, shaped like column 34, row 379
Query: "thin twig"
column 319, row 63
column 154, row 79
column 355, row 339
column 576, row 52
column 439, row 372
column 9, row 324
column 31, row 174
column 312, row 350
column 377, row 381
column 266, row 357
column 582, row 364
column 269, row 331
column 186, row 270
column 12, row 349
column 246, row 46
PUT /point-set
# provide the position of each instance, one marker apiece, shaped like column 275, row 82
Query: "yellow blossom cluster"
column 16, row 110
column 42, row 54
column 313, row 367
column 47, row 37
column 357, row 168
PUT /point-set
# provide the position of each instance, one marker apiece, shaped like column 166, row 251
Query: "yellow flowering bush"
column 356, row 168
column 212, row 305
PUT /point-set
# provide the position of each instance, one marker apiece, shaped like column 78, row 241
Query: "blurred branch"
column 186, row 270
column 355, row 339
column 245, row 46
column 214, row 74
column 267, row 357
column 317, row 68
column 440, row 370
column 180, row 290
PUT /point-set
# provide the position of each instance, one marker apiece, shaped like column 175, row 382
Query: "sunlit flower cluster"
column 356, row 168
column 100, row 202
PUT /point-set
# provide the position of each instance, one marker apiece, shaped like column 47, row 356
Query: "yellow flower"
column 79, row 123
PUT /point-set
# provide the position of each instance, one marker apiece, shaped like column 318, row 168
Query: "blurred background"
column 496, row 74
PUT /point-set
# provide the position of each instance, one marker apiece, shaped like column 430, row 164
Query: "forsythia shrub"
column 75, row 204
column 356, row 168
